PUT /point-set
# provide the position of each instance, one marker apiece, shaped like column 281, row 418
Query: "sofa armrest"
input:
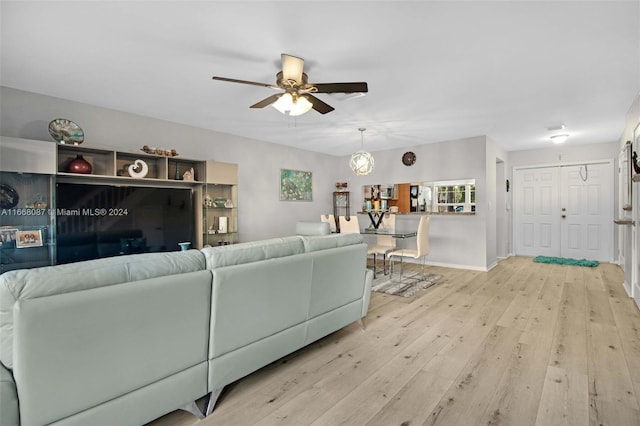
column 9, row 411
column 368, row 280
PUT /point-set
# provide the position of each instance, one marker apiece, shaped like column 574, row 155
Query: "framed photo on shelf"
column 296, row 185
column 31, row 238
column 8, row 237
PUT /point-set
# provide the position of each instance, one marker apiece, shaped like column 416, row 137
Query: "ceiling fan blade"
column 341, row 87
column 319, row 105
column 292, row 68
column 254, row 83
column 267, row 101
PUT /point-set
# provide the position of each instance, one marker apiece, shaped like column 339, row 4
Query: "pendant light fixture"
column 361, row 161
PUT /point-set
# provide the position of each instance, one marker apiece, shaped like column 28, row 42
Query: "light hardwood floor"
column 522, row 344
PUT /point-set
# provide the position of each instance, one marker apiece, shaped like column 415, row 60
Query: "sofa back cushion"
column 79, row 350
column 323, row 242
column 338, row 278
column 51, row 280
column 313, row 228
column 259, row 299
column 238, row 254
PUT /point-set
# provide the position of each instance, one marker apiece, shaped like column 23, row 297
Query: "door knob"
column 564, row 215
column 564, row 210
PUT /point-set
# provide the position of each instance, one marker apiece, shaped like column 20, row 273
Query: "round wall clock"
column 408, row 158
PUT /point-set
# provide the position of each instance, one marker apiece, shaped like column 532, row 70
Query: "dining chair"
column 384, row 243
column 330, row 219
column 421, row 251
column 349, row 226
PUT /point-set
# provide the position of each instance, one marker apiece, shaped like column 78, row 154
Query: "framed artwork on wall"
column 296, row 185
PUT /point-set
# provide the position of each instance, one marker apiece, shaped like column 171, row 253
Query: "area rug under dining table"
column 409, row 286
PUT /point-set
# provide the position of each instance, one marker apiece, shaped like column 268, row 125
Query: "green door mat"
column 566, row 261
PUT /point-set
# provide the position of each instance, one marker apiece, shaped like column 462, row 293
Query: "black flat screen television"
column 94, row 221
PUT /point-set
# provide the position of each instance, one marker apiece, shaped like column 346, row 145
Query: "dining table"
column 400, row 235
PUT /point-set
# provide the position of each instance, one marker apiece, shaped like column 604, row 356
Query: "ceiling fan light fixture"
column 557, row 139
column 287, row 105
column 361, row 162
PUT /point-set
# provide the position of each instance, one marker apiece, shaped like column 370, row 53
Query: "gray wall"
column 565, row 153
column 626, row 232
column 454, row 240
column 464, row 241
column 261, row 214
column 562, row 154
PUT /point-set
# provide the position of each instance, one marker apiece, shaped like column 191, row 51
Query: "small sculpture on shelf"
column 159, row 151
column 189, row 175
column 138, row 169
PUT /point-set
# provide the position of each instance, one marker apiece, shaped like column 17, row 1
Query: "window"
column 455, row 198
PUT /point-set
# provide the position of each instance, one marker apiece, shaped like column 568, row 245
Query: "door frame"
column 614, row 205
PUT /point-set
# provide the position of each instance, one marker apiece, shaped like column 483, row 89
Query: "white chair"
column 422, row 247
column 350, row 226
column 384, row 243
column 330, row 219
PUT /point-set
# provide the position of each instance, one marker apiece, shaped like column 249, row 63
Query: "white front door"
column 583, row 230
column 586, row 199
column 536, row 212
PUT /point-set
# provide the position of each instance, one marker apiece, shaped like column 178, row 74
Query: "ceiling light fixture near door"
column 361, row 161
column 559, row 138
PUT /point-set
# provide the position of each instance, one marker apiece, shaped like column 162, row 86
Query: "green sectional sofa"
column 127, row 339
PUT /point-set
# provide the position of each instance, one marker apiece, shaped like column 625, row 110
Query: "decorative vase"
column 80, row 165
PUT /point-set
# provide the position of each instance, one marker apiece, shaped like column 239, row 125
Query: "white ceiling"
column 436, row 70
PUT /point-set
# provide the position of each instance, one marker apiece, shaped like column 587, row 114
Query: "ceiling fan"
column 297, row 98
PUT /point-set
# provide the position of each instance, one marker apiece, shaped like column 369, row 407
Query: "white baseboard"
column 451, row 265
column 457, row 266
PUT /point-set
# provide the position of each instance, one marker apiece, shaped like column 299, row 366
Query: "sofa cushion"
column 313, row 228
column 323, row 242
column 237, row 254
column 9, row 412
column 39, row 282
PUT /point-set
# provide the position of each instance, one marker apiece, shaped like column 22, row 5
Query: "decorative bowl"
column 66, row 131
